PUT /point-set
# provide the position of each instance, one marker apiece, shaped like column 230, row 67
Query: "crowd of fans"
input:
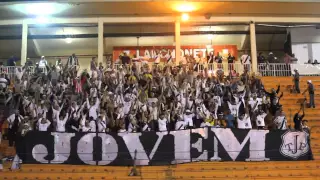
column 136, row 100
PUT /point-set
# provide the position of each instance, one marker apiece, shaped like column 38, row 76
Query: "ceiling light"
column 210, row 36
column 40, row 8
column 185, row 7
column 185, row 17
column 42, row 19
column 68, row 40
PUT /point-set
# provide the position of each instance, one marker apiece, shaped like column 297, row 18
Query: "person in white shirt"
column 26, row 127
column 234, row 108
column 246, row 61
column 254, row 102
column 244, row 121
column 41, row 109
column 3, row 82
column 93, row 124
column 93, row 108
column 61, row 123
column 280, row 121
column 43, row 124
column 102, row 122
column 56, row 110
column 154, row 111
column 19, row 72
column 162, row 122
column 43, row 62
column 188, row 118
column 75, row 109
column 260, row 118
column 127, row 102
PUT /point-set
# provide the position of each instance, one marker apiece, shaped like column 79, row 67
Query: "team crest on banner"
column 294, row 144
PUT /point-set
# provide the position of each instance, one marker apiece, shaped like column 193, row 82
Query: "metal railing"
column 11, row 70
column 282, row 69
column 265, row 69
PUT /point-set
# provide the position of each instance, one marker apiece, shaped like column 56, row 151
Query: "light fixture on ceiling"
column 40, row 8
column 68, row 40
column 210, row 36
column 185, row 17
column 185, row 7
column 42, row 19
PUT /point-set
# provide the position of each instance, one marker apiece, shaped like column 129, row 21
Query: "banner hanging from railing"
column 164, row 53
column 163, row 148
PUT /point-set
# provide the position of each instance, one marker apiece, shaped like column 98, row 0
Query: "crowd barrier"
column 11, row 70
column 282, row 69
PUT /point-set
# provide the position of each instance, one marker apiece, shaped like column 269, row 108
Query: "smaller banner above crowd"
column 167, row 53
column 164, row 148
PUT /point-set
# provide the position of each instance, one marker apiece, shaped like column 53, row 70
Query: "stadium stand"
column 301, row 170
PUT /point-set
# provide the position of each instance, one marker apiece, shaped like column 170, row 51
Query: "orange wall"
column 149, row 52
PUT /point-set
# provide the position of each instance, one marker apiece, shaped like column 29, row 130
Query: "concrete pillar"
column 100, row 42
column 24, row 43
column 253, row 47
column 177, row 42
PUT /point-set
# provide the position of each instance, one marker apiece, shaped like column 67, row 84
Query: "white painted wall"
column 305, row 43
column 316, row 51
column 301, row 52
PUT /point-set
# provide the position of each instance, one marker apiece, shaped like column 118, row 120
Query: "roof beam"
column 221, row 19
column 186, row 33
column 90, row 1
column 169, row 19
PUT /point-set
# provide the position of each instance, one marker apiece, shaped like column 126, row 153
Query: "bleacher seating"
column 284, row 170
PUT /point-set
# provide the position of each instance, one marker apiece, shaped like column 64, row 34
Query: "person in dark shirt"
column 229, row 120
column 261, row 58
column 305, row 128
column 310, row 89
column 273, row 93
column 93, row 64
column 73, row 61
column 271, row 58
column 296, row 80
column 125, row 59
column 218, row 58
column 12, row 61
column 297, row 119
column 275, row 105
column 231, row 60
